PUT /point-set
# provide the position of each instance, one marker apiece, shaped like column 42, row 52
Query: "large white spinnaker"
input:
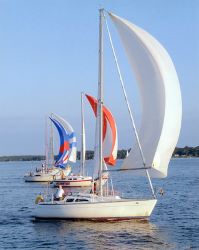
column 160, row 97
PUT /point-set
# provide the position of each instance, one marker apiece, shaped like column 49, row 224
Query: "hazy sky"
column 49, row 54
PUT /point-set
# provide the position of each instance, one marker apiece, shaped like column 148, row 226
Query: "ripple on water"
column 173, row 225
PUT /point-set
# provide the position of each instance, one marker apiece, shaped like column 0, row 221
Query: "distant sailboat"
column 110, row 152
column 109, row 141
column 68, row 144
column 161, row 121
column 48, row 172
column 80, row 179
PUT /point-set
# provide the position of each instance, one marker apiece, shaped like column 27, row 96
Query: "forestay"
column 160, row 97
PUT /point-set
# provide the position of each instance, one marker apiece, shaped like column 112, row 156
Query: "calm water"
column 173, row 225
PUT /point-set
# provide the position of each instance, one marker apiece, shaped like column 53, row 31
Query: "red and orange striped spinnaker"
column 110, row 141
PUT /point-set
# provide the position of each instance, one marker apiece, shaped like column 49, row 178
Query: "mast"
column 46, row 144
column 82, row 135
column 51, row 143
column 100, row 97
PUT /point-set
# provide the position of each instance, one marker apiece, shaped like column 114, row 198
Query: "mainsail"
column 110, row 142
column 68, row 146
column 160, row 97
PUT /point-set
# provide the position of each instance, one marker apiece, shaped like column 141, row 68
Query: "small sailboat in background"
column 110, row 150
column 68, row 145
column 109, row 141
column 50, row 170
column 80, row 179
column 161, row 121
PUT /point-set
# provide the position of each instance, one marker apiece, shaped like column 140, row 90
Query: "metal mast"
column 82, row 135
column 51, row 143
column 46, row 144
column 100, row 97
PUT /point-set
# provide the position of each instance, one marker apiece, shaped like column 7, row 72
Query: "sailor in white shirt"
column 59, row 193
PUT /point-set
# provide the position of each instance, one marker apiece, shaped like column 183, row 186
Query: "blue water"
column 174, row 223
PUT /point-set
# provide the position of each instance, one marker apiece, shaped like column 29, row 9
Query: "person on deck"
column 59, row 195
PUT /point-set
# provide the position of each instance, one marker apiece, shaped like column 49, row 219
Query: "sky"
column 49, row 55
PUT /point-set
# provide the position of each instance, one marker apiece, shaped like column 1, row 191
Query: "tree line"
column 89, row 156
column 121, row 154
column 186, row 152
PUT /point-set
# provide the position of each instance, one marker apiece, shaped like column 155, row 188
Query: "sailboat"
column 80, row 179
column 109, row 142
column 157, row 137
column 68, row 145
column 51, row 171
column 48, row 172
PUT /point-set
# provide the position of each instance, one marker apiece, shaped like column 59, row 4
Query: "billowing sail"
column 68, row 145
column 110, row 142
column 160, row 97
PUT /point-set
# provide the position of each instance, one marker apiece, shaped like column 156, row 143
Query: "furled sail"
column 110, row 143
column 68, row 145
column 160, row 97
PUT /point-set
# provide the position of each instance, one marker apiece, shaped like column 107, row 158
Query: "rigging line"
column 125, row 94
column 150, row 183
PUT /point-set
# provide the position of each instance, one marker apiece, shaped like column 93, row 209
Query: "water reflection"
column 105, row 235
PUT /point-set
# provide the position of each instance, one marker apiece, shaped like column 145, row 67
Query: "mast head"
column 101, row 10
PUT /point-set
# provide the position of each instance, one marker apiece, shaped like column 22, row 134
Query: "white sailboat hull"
column 41, row 178
column 74, row 183
column 46, row 176
column 122, row 209
column 78, row 181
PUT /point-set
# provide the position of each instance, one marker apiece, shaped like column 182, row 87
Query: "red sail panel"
column 110, row 144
